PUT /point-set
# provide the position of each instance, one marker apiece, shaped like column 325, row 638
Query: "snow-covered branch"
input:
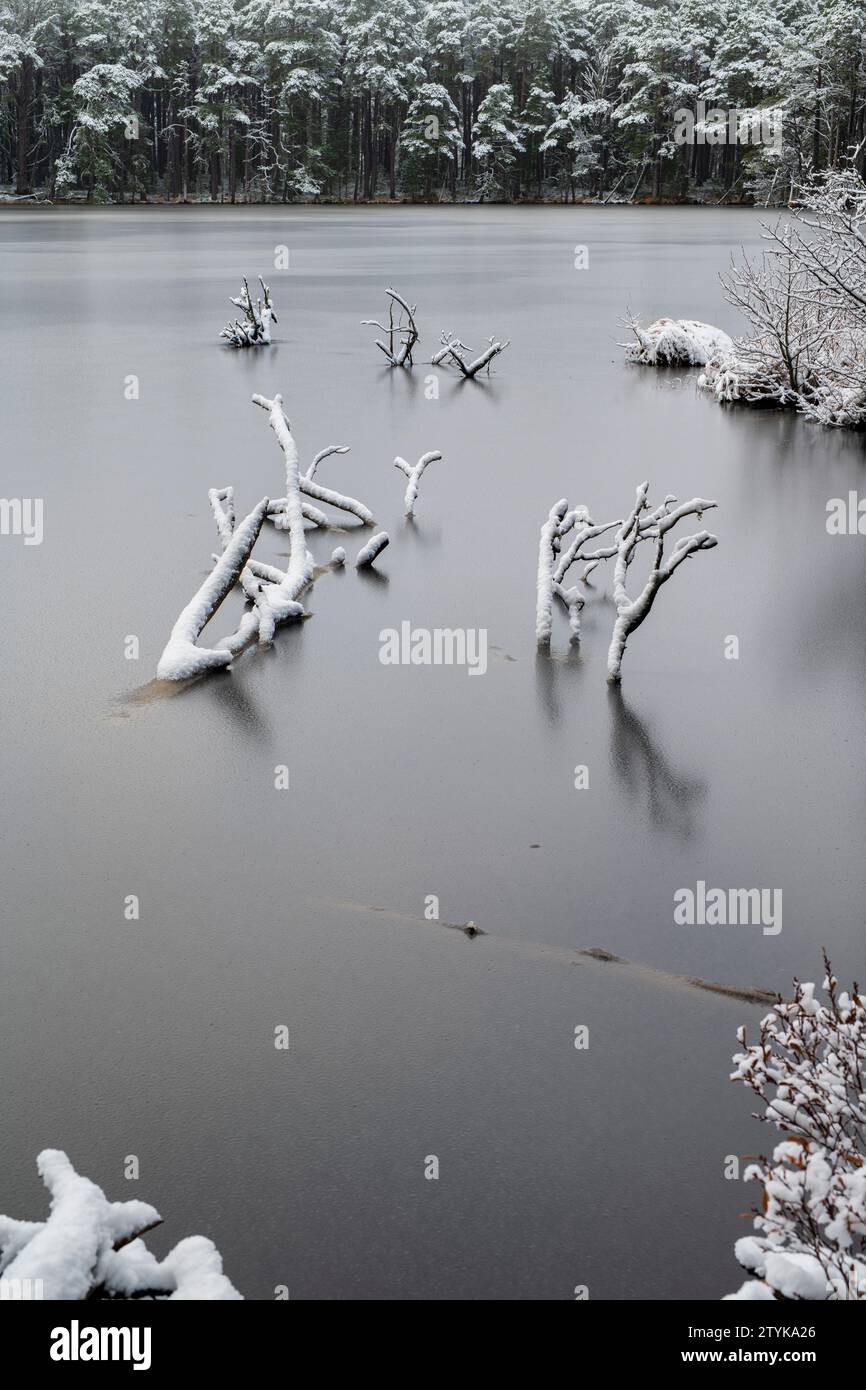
column 374, row 547
column 414, row 476
column 92, row 1248
column 310, row 488
column 181, row 657
column 632, row 612
column 643, row 523
column 554, row 563
column 454, row 350
column 401, row 329
column 255, row 328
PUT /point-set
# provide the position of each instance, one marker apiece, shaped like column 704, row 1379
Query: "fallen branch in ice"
column 181, row 657
column 808, row 1069
column 92, row 1248
column 374, row 547
column 453, row 349
column 310, row 488
column 632, row 612
column 675, row 343
column 402, row 332
column 258, row 317
column 414, row 476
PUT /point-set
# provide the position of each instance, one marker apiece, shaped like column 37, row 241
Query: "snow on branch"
column 92, row 1248
column 455, row 351
column 632, row 612
column 808, row 1069
column 401, row 329
column 181, row 657
column 255, row 328
column 272, row 593
column 374, row 547
column 310, row 488
column 414, row 476
column 644, row 523
column 554, row 563
column 675, row 343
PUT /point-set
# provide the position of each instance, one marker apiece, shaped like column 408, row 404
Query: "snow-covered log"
column 374, row 547
column 676, row 343
column 92, row 1248
column 401, row 329
column 181, row 657
column 632, row 612
column 808, row 1069
column 454, row 350
column 413, row 473
column 255, row 329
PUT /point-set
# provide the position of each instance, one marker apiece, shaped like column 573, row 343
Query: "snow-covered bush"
column 806, row 302
column 808, row 1068
column 92, row 1248
column 676, row 343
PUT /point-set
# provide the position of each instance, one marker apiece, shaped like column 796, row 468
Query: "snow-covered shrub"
column 258, row 317
column 676, row 343
column 808, row 1068
column 806, row 302
column 92, row 1248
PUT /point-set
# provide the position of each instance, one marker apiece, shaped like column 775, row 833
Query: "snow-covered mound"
column 676, row 343
column 91, row 1247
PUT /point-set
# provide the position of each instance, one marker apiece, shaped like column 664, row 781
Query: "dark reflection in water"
column 670, row 795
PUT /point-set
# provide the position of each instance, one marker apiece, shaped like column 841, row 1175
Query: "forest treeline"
column 284, row 100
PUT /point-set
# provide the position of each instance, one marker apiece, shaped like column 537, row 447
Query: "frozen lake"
column 305, row 908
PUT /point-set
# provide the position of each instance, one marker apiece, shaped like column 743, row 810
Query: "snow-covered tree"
column 430, row 140
column 496, row 142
